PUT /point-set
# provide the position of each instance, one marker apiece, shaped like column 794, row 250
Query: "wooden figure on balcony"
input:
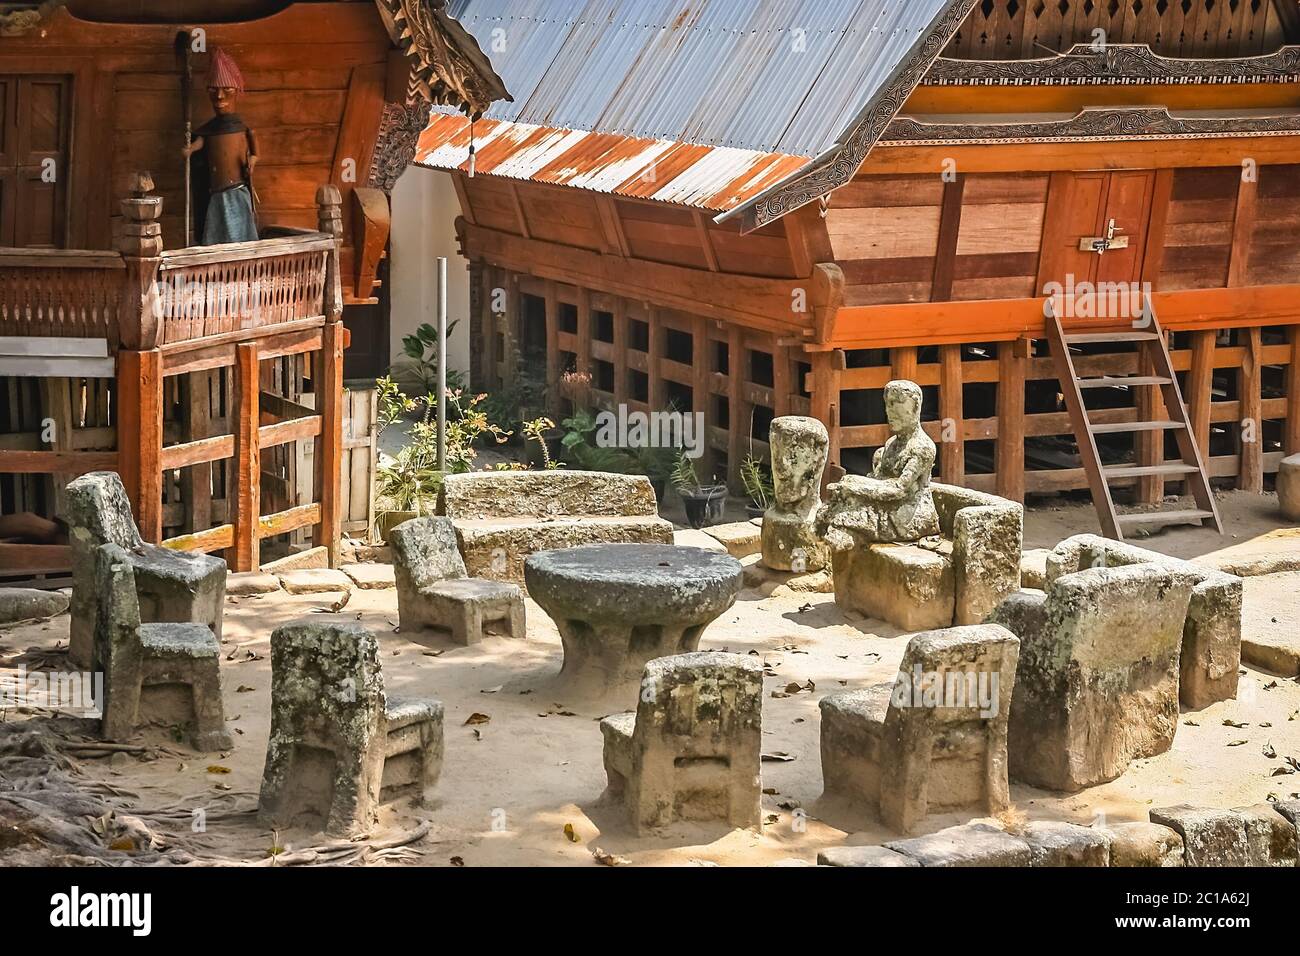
column 894, row 504
column 222, row 178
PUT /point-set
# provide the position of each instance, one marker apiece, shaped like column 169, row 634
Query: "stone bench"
column 339, row 745
column 1097, row 683
column 692, row 748
column 1211, row 652
column 502, row 517
column 956, row 579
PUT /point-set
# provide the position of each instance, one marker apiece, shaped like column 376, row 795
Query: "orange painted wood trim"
column 140, row 436
column 329, row 449
column 248, row 498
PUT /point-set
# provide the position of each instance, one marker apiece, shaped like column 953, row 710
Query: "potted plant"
column 703, row 502
column 758, row 485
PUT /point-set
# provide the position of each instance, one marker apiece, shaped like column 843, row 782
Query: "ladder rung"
column 1137, row 471
column 1114, row 427
column 1168, row 517
column 1102, row 338
column 1107, row 381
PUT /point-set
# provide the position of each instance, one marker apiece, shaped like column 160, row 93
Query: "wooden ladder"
column 1152, row 346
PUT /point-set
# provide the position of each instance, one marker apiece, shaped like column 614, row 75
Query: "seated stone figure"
column 894, row 504
column 799, row 450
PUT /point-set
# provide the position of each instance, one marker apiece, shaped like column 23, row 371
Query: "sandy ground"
column 510, row 786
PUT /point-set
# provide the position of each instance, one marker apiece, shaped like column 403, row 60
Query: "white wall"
column 424, row 210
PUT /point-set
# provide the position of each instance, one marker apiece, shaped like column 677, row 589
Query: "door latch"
column 1103, row 244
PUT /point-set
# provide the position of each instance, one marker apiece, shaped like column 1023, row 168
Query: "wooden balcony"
column 138, row 316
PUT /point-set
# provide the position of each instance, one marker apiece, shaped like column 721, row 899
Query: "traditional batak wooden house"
column 197, row 372
column 757, row 209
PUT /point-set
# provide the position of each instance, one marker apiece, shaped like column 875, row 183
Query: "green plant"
column 536, row 431
column 683, row 476
column 420, row 368
column 757, row 480
column 411, row 477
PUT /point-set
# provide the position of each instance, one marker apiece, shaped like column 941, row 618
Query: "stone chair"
column 434, row 589
column 1098, row 681
column 172, row 586
column 165, row 674
column 691, row 750
column 1210, row 661
column 933, row 740
column 956, row 579
column 339, row 745
column 503, row 517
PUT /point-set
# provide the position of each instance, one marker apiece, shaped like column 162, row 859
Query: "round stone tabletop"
column 634, row 583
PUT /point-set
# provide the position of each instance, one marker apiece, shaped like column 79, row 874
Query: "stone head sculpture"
column 903, row 406
column 799, row 450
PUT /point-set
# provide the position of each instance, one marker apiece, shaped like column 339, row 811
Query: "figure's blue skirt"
column 230, row 217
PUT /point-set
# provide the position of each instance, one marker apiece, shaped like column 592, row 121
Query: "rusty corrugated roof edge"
column 714, row 178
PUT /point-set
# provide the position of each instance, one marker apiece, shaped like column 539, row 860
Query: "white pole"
column 442, row 363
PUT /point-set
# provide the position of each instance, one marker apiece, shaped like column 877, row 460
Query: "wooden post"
column 246, row 504
column 1200, row 389
column 781, row 378
column 1149, row 447
column 196, row 483
column 701, row 394
column 952, row 453
column 140, row 436
column 327, row 377
column 902, row 363
column 552, row 398
column 620, row 353
column 825, row 403
column 584, row 332
column 487, row 379
column 329, row 456
column 738, row 410
column 1250, row 477
column 1011, row 423
column 140, row 243
column 654, row 361
column 1291, row 439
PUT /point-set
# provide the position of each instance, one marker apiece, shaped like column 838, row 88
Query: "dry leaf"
column 605, row 858
column 217, row 768
column 571, row 834
column 1237, row 743
column 122, row 843
column 476, row 718
column 1269, row 752
column 778, row 756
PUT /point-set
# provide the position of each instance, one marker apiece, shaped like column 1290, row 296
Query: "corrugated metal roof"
column 770, row 76
column 713, row 178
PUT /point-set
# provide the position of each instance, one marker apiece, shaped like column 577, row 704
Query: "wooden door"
column 34, row 170
column 1081, row 206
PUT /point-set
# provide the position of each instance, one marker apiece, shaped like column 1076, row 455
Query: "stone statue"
column 894, row 504
column 223, row 185
column 799, row 450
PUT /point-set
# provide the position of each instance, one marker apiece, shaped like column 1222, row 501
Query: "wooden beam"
column 620, row 352
column 945, row 260
column 1154, row 253
column 1011, row 423
column 701, row 396
column 706, row 241
column 827, row 367
column 56, row 462
column 552, row 319
column 248, row 461
column 655, row 357
column 738, row 410
column 902, row 363
column 1243, row 227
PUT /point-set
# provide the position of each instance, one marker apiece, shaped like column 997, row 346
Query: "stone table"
column 618, row 606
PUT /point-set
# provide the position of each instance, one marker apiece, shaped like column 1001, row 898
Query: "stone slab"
column 1270, row 836
column 1066, row 844
column 1033, row 569
column 26, row 604
column 371, row 577
column 741, row 538
column 301, row 560
column 864, row 856
column 1142, row 844
column 974, row 844
column 315, row 581
column 1210, row 837
column 690, row 538
column 244, row 583
column 1269, row 553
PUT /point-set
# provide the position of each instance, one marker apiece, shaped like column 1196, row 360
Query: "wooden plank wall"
column 643, row 357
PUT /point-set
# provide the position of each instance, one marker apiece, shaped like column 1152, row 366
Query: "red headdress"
column 223, row 73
